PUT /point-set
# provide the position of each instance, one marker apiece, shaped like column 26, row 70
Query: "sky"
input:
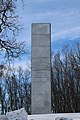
column 64, row 16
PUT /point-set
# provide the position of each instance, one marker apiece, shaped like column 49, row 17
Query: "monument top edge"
column 41, row 28
column 41, row 23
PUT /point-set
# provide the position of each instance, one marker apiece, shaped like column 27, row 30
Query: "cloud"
column 25, row 64
column 72, row 33
column 65, row 22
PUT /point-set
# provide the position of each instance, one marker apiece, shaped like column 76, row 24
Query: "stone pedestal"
column 60, row 116
column 41, row 68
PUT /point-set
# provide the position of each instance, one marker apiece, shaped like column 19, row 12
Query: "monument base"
column 73, row 116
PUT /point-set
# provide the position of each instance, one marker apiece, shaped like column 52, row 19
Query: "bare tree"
column 66, row 80
column 15, row 90
column 9, row 29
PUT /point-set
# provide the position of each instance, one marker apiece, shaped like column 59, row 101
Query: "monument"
column 41, row 68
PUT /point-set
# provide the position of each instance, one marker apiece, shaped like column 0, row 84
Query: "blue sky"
column 64, row 16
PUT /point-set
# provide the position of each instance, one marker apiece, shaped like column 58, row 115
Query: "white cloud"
column 71, row 33
column 25, row 64
column 65, row 23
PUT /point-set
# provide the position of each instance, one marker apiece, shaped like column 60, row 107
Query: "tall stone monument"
column 41, row 68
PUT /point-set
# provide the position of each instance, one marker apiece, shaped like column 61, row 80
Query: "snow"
column 73, row 116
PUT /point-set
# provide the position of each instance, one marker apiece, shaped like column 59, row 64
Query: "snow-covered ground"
column 74, row 116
